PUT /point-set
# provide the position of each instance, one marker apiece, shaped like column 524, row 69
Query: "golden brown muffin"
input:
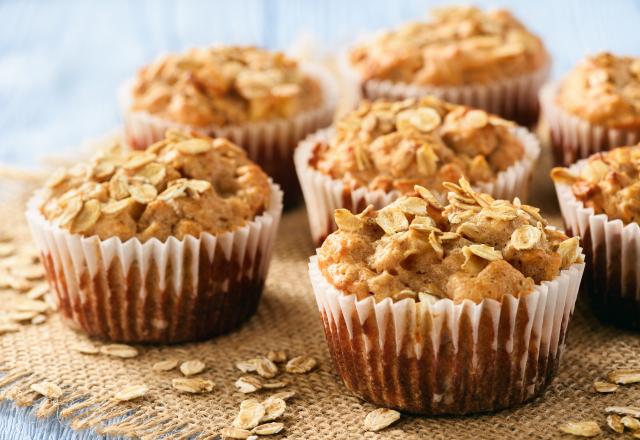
column 182, row 185
column 604, row 89
column 394, row 145
column 609, row 183
column 224, row 86
column 473, row 248
column 459, row 45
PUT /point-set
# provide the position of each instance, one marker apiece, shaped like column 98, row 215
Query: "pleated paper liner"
column 612, row 253
column 323, row 194
column 447, row 358
column 268, row 143
column 172, row 291
column 573, row 138
column 514, row 98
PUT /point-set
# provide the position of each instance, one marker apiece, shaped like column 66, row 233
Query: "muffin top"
column 394, row 145
column 224, row 86
column 182, row 185
column 473, row 248
column 604, row 89
column 459, row 45
column 609, row 183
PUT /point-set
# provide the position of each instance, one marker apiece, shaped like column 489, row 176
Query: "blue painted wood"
column 62, row 60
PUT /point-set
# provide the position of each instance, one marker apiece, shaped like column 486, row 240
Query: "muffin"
column 263, row 101
column 595, row 108
column 167, row 245
column 381, row 150
column 487, row 60
column 600, row 201
column 446, row 308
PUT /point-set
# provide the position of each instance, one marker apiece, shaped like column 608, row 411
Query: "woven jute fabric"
column 287, row 319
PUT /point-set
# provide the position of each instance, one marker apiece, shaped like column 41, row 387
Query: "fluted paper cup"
column 443, row 357
column 171, row 291
column 514, row 98
column 323, row 194
column 573, row 138
column 612, row 252
column 268, row 143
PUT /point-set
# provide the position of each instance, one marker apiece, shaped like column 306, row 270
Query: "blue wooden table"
column 61, row 62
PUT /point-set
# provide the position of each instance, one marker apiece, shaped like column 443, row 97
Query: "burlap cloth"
column 287, row 319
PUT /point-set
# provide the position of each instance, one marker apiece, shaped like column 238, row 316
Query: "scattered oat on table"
column 269, row 428
column 581, row 429
column 602, row 386
column 166, row 365
column 192, row 385
column 284, row 395
column 615, row 423
column 131, row 392
column 301, row 364
column 266, row 368
column 191, row 368
column 630, row 422
column 274, row 408
column 380, row 418
column 274, row 384
column 47, row 389
column 119, row 350
column 248, row 384
column 235, row 433
column 278, row 356
column 625, row 376
column 86, row 348
column 250, row 414
column 632, row 411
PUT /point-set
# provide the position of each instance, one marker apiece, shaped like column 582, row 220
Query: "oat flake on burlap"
column 287, row 319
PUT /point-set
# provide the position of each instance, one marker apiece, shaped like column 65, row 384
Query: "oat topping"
column 604, row 89
column 473, row 248
column 609, row 183
column 458, row 45
column 422, row 141
column 224, row 86
column 182, row 185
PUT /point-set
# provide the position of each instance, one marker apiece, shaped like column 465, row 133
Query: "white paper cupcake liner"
column 323, row 194
column 171, row 291
column 515, row 98
column 268, row 143
column 573, row 138
column 447, row 358
column 612, row 252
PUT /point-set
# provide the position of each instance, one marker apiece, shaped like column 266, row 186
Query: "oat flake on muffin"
column 459, row 45
column 473, row 248
column 604, row 89
column 224, row 86
column 168, row 190
column 394, row 145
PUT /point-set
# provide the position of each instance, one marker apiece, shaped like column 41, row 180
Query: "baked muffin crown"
column 182, row 185
column 609, row 183
column 459, row 45
column 472, row 248
column 226, row 85
column 603, row 89
column 394, row 145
